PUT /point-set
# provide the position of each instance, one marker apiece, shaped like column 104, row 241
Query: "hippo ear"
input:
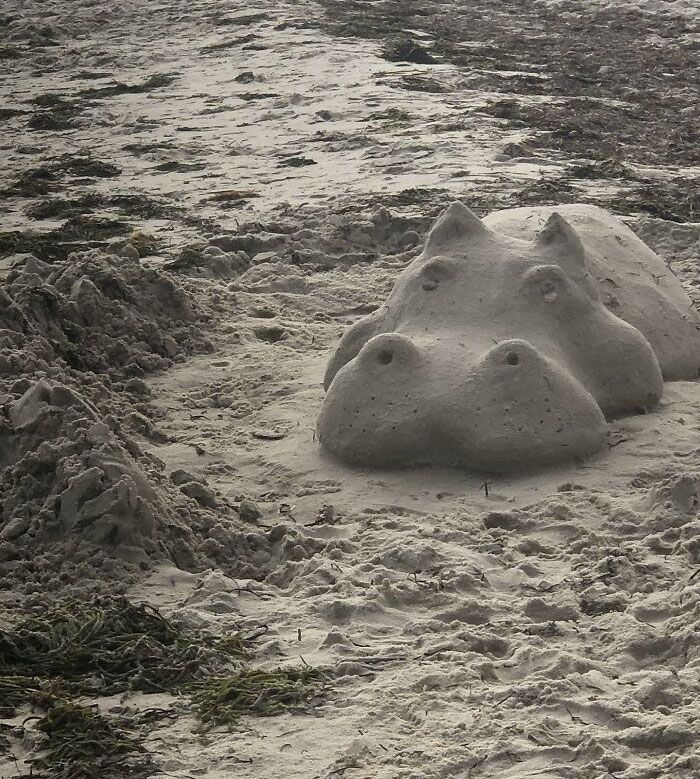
column 561, row 236
column 455, row 225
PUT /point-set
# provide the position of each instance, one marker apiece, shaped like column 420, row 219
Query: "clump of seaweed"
column 229, row 44
column 224, row 700
column 156, row 81
column 674, row 200
column 546, row 191
column 78, row 233
column 44, row 179
column 111, row 645
column 32, row 182
column 85, row 166
column 407, row 50
column 58, row 207
column 79, row 743
column 107, row 646
column 57, row 113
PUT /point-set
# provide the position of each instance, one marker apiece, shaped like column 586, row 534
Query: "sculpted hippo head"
column 492, row 352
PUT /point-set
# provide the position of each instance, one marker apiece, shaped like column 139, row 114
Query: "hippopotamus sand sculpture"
column 508, row 342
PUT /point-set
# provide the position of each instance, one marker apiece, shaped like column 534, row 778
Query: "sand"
column 216, row 201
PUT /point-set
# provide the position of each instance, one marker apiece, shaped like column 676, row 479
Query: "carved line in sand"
column 508, row 342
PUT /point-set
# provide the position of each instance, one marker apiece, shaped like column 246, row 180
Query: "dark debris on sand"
column 622, row 82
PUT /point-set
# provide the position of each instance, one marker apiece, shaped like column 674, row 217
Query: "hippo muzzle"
column 404, row 402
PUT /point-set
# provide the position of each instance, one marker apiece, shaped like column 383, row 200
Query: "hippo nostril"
column 512, row 358
column 430, row 285
column 385, row 356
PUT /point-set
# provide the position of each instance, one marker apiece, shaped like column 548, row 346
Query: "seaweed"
column 46, row 178
column 625, row 97
column 407, row 50
column 224, row 700
column 9, row 53
column 58, row 207
column 173, row 166
column 10, row 113
column 85, row 166
column 107, row 646
column 157, row 81
column 142, row 206
column 78, row 233
column 86, row 228
column 33, row 182
column 241, row 21
column 229, row 44
column 546, row 191
column 597, row 130
column 80, row 743
column 296, row 162
column 59, row 114
column 110, row 645
column 674, row 200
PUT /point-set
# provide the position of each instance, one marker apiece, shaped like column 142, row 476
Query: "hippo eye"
column 436, row 270
column 512, row 358
column 385, row 356
column 547, row 282
column 549, row 291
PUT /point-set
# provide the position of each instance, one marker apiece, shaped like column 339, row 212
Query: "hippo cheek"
column 525, row 410
column 378, row 410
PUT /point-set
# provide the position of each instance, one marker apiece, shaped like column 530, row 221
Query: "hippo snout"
column 379, row 406
column 409, row 401
column 523, row 410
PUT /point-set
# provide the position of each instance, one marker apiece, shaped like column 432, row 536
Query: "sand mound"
column 79, row 495
column 97, row 313
column 80, row 498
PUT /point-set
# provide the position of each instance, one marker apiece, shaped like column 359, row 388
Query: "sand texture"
column 207, row 206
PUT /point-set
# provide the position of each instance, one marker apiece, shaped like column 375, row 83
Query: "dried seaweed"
column 224, row 700
column 156, row 81
column 79, row 743
column 107, row 646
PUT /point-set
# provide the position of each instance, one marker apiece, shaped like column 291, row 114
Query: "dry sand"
column 257, row 203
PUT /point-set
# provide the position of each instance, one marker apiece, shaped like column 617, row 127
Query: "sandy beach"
column 197, row 199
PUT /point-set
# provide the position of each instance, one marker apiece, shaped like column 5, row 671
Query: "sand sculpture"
column 508, row 342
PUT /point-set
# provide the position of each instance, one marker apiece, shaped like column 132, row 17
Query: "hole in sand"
column 385, row 356
column 512, row 358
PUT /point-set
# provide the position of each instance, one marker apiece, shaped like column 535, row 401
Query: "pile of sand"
column 79, row 495
column 95, row 313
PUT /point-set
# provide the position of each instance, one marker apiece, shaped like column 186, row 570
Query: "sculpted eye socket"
column 547, row 282
column 437, row 269
column 549, row 291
